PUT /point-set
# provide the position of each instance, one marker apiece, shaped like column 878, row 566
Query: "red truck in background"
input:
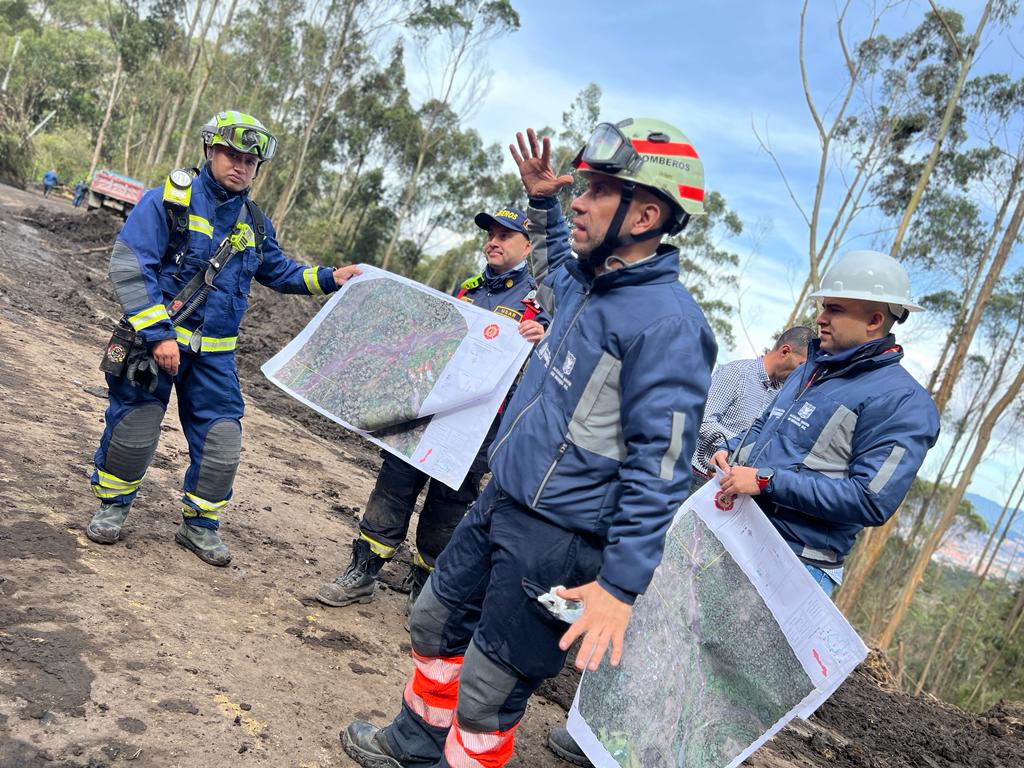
column 112, row 190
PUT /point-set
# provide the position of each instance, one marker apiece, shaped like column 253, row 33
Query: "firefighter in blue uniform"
column 506, row 288
column 188, row 341
column 590, row 463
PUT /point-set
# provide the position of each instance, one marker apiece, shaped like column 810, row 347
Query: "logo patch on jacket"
column 569, row 364
column 800, row 418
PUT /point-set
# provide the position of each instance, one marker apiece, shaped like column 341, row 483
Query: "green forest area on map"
column 378, row 354
column 732, row 671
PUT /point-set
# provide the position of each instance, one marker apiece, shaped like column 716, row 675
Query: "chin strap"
column 604, row 253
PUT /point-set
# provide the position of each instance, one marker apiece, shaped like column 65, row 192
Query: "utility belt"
column 127, row 352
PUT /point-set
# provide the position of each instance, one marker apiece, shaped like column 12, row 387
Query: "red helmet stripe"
column 663, row 148
column 691, row 193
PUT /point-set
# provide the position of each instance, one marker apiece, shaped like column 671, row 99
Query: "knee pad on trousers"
column 426, row 623
column 221, row 453
column 133, row 442
column 484, row 688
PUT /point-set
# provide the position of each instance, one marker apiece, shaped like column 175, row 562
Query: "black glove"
column 142, row 370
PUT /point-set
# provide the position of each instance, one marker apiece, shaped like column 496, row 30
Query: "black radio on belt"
column 116, row 354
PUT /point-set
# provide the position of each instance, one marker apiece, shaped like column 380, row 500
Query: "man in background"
column 740, row 392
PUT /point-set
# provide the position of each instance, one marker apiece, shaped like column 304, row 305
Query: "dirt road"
column 139, row 655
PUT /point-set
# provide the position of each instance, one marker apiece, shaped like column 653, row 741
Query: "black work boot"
column 105, row 526
column 415, row 580
column 565, row 746
column 205, row 542
column 358, row 582
column 365, row 744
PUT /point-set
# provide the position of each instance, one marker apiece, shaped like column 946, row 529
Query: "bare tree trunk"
column 963, row 342
column 193, row 60
column 869, row 550
column 959, row 616
column 197, row 95
column 931, row 543
column 947, row 118
column 98, row 149
column 1012, row 624
column 129, row 134
column 284, row 202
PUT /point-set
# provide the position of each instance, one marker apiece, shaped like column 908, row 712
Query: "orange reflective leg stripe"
column 433, row 691
column 469, row 749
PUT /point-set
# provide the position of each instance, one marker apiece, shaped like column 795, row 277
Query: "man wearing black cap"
column 506, row 288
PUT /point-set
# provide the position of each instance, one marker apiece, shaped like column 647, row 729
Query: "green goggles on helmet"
column 250, row 139
column 608, row 151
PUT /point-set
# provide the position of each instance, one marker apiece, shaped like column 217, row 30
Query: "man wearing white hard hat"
column 844, row 439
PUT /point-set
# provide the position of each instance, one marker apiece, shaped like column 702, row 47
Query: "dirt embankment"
column 139, row 655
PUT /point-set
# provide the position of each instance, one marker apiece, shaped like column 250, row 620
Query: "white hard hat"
column 869, row 276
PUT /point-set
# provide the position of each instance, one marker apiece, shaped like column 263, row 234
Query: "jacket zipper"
column 547, row 367
column 547, row 475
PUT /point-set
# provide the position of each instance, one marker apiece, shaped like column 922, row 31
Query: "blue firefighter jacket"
column 846, row 436
column 599, row 434
column 146, row 278
column 502, row 294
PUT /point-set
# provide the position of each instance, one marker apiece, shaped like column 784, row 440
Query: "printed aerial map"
column 374, row 360
column 734, row 673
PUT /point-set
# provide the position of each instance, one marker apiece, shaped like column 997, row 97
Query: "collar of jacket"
column 516, row 274
column 661, row 267
column 876, row 353
column 213, row 187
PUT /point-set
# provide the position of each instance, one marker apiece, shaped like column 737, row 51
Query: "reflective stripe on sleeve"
column 309, row 275
column 149, row 316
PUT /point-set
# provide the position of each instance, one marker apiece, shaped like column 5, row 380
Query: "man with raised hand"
column 590, row 463
column 847, row 434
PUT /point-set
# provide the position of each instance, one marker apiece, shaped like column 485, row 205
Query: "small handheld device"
column 568, row 611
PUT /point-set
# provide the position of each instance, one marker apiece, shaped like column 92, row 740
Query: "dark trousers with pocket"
column 480, row 644
column 389, row 509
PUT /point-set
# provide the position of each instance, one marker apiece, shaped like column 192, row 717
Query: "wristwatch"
column 763, row 477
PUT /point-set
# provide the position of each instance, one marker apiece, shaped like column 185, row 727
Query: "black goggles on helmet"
column 609, row 151
column 249, row 139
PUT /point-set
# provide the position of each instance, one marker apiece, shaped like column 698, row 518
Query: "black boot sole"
column 342, row 603
column 364, row 758
column 182, row 541
column 575, row 758
column 95, row 537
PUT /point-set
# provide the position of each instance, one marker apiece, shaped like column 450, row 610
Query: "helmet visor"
column 608, row 150
column 249, row 139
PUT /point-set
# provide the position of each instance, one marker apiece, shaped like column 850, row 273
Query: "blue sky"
column 713, row 68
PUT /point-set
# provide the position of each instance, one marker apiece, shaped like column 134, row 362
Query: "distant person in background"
column 49, row 182
column 80, row 188
column 740, row 391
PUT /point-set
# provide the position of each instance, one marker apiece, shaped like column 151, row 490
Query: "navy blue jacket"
column 146, row 278
column 846, row 436
column 599, row 434
column 502, row 294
